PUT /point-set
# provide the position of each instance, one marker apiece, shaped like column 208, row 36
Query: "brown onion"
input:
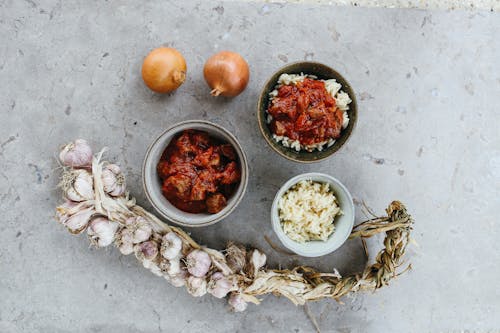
column 164, row 69
column 227, row 73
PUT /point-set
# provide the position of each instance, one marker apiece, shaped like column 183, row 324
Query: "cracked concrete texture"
column 427, row 84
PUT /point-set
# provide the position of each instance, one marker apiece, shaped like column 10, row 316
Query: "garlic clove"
column 236, row 256
column 78, row 185
column 114, row 168
column 219, row 261
column 155, row 269
column 170, row 267
column 76, row 154
column 130, row 221
column 102, row 231
column 237, row 303
column 140, row 229
column 118, row 191
column 63, row 212
column 113, row 180
column 148, row 264
column 124, row 241
column 196, row 286
column 108, row 180
column 84, row 185
column 126, row 248
column 219, row 285
column 198, row 263
column 257, row 260
column 146, row 251
column 125, row 235
column 173, row 272
column 171, row 245
column 175, row 267
column 78, row 222
column 142, row 233
column 178, row 280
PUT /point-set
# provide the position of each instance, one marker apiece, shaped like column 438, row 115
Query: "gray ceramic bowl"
column 343, row 223
column 152, row 184
column 323, row 72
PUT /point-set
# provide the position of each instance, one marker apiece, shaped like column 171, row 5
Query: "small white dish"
column 343, row 223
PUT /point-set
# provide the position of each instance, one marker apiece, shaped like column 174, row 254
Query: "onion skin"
column 164, row 69
column 226, row 73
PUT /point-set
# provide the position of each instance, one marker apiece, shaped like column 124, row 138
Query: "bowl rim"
column 243, row 183
column 271, row 143
column 278, row 230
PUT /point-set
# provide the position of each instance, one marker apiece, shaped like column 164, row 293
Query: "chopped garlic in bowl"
column 307, row 211
column 312, row 214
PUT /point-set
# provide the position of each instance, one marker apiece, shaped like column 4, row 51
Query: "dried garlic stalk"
column 111, row 216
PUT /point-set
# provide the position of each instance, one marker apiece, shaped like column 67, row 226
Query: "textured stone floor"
column 427, row 83
column 491, row 5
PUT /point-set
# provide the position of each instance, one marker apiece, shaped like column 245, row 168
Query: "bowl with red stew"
column 195, row 173
column 306, row 111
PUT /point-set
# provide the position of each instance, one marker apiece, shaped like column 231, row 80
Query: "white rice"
column 307, row 211
column 342, row 100
column 295, row 144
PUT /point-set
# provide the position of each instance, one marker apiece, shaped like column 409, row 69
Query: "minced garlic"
column 307, row 211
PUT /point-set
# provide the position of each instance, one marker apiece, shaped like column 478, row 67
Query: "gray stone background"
column 492, row 5
column 427, row 82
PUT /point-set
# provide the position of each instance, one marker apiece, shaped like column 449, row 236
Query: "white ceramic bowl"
column 152, row 184
column 343, row 223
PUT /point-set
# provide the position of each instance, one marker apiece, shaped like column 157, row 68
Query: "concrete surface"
column 428, row 84
column 472, row 5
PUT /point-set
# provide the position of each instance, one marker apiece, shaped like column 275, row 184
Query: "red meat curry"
column 305, row 112
column 198, row 172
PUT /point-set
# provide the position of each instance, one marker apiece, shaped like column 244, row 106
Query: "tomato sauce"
column 305, row 112
column 198, row 172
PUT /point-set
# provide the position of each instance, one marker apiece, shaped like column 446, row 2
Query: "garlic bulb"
column 78, row 222
column 141, row 233
column 198, row 263
column 155, row 269
column 179, row 279
column 113, row 180
column 237, row 302
column 140, row 229
column 146, row 251
column 257, row 261
column 102, row 231
column 218, row 261
column 173, row 272
column 236, row 256
column 170, row 267
column 64, row 211
column 76, row 154
column 219, row 285
column 74, row 215
column 124, row 241
column 196, row 286
column 171, row 245
column 78, row 185
column 126, row 248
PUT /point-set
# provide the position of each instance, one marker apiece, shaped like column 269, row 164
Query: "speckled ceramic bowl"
column 152, row 183
column 343, row 223
column 323, row 72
